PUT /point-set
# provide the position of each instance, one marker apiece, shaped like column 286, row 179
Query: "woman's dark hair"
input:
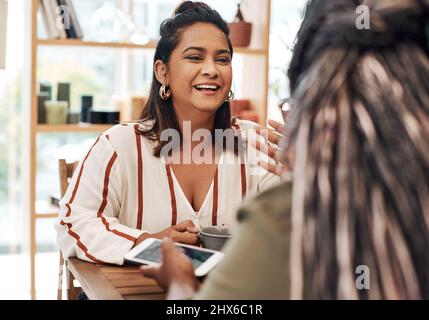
column 316, row 14
column 360, row 131
column 160, row 112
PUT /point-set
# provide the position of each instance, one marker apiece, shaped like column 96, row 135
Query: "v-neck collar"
column 185, row 198
column 210, row 191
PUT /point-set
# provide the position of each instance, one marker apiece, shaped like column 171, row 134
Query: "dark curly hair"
column 158, row 111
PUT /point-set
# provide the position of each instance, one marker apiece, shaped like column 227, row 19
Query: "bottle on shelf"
column 86, row 107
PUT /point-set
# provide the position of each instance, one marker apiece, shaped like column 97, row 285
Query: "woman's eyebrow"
column 223, row 51
column 204, row 50
column 194, row 48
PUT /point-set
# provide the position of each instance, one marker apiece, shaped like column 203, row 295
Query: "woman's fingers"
column 169, row 250
column 270, row 135
column 150, row 271
column 276, row 169
column 186, row 238
column 187, row 225
column 182, row 226
column 192, row 229
column 167, row 245
column 279, row 127
column 170, row 253
column 265, row 148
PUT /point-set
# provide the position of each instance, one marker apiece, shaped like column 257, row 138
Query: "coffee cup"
column 214, row 237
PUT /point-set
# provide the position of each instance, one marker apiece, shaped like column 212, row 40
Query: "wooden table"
column 111, row 282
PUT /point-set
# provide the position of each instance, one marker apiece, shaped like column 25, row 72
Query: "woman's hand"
column 271, row 149
column 175, row 274
column 184, row 232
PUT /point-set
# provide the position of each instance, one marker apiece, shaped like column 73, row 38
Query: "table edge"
column 82, row 269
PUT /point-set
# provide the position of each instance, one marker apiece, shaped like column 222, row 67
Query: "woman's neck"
column 190, row 122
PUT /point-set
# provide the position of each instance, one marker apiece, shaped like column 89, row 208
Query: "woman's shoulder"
column 126, row 128
column 125, row 135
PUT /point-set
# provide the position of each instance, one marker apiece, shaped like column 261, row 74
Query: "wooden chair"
column 65, row 173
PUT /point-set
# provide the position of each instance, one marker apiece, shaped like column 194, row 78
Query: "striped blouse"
column 120, row 190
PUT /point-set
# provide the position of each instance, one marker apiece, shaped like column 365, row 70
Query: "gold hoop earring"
column 164, row 93
column 230, row 96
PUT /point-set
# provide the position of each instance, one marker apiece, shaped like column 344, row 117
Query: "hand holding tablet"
column 149, row 252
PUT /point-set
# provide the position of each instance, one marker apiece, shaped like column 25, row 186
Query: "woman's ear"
column 161, row 72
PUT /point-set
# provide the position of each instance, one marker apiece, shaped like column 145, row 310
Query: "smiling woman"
column 198, row 74
column 194, row 50
column 125, row 191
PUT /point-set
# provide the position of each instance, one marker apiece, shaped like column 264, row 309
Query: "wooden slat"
column 139, row 290
column 155, row 296
column 80, row 127
column 114, row 269
column 128, row 275
column 46, row 215
column 113, row 282
column 131, row 281
column 78, row 42
column 95, row 285
column 149, row 46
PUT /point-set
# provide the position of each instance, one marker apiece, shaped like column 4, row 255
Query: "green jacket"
column 256, row 262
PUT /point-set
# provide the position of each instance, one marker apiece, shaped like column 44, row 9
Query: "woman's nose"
column 209, row 69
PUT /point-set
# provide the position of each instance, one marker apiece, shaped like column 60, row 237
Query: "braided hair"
column 360, row 128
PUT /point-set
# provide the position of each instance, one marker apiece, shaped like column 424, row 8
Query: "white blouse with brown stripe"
column 120, row 190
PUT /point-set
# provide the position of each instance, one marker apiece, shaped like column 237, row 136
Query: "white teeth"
column 205, row 86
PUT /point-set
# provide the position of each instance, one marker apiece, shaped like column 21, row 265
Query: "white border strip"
column 3, row 25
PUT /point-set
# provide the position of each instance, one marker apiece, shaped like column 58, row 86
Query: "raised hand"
column 278, row 164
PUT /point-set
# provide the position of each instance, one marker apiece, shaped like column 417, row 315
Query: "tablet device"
column 149, row 252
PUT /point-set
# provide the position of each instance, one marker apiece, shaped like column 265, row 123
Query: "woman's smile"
column 208, row 88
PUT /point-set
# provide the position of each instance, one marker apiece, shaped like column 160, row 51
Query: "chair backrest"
column 66, row 171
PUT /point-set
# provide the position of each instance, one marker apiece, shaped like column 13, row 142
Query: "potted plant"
column 240, row 30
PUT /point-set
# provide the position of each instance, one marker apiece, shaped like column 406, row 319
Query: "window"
column 14, row 275
column 286, row 17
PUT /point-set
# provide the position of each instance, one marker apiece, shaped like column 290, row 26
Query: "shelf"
column 77, row 42
column 46, row 210
column 124, row 45
column 52, row 215
column 252, row 51
column 81, row 127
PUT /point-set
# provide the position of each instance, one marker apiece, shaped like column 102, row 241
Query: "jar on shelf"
column 56, row 112
column 110, row 24
column 240, row 30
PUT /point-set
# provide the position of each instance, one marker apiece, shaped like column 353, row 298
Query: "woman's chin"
column 207, row 107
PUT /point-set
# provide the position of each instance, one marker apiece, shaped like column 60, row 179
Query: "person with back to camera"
column 360, row 140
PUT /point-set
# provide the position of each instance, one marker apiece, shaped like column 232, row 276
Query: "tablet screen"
column 153, row 253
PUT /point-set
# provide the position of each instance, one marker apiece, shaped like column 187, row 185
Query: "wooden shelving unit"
column 124, row 45
column 77, row 42
column 255, row 88
column 81, row 127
